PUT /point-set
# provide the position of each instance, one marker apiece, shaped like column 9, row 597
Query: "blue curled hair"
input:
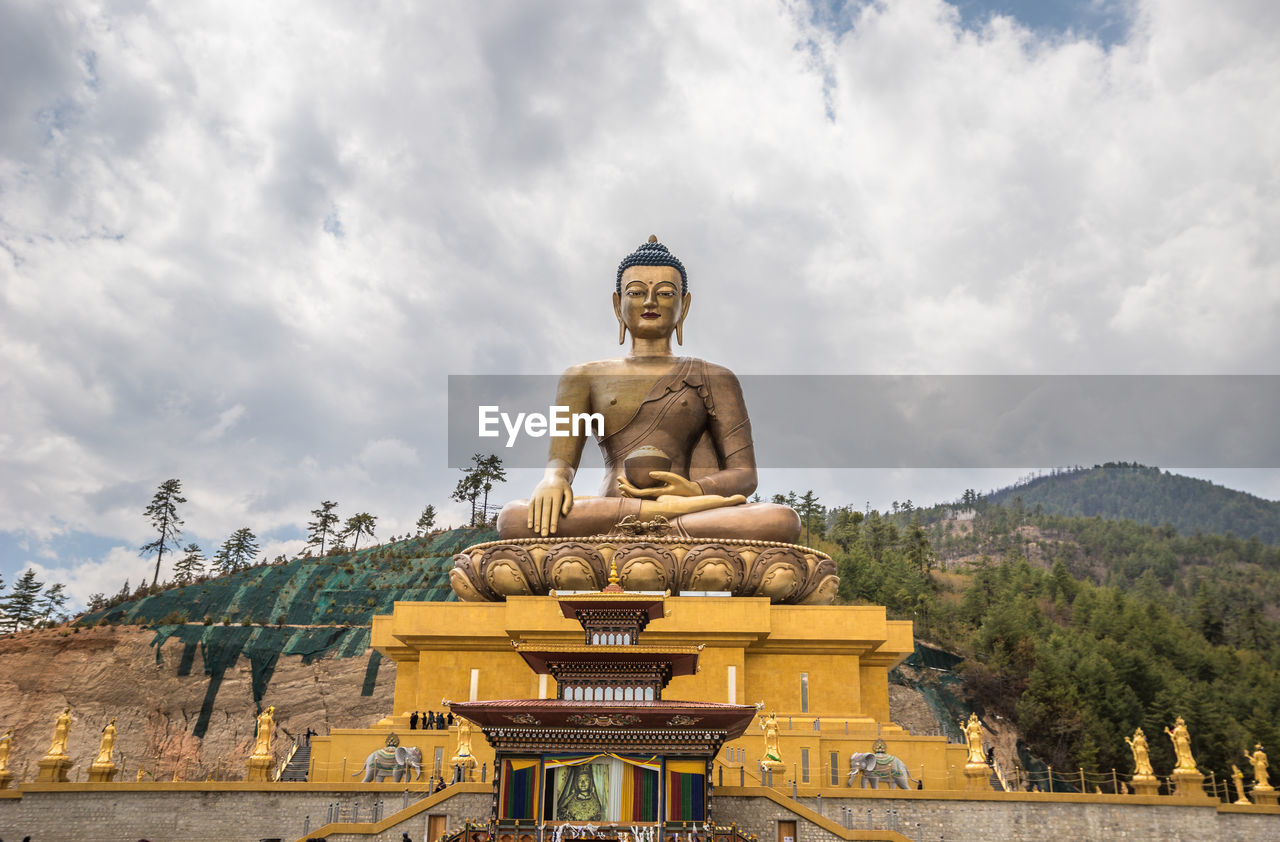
column 652, row 253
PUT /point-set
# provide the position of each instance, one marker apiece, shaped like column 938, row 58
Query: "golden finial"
column 613, row 572
column 653, row 238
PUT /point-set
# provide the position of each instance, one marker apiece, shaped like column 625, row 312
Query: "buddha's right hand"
column 550, row 501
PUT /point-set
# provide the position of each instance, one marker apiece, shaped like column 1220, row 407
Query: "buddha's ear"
column 684, row 313
column 617, row 311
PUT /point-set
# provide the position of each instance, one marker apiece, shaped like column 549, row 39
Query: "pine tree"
column 427, row 520
column 491, row 471
column 809, row 510
column 22, row 602
column 237, row 552
column 319, row 530
column 163, row 513
column 468, row 490
column 189, row 566
column 52, row 602
column 917, row 546
column 357, row 525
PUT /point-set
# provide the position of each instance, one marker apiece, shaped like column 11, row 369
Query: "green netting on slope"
column 371, row 673
column 943, row 691
column 344, row 589
column 325, row 604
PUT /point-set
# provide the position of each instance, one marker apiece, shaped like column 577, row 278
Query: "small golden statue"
column 977, row 777
column 1237, row 777
column 266, row 721
column 261, row 760
column 1259, row 762
column 1186, row 778
column 108, row 745
column 772, row 759
column 973, row 736
column 1182, row 747
column 1263, row 791
column 103, row 770
column 55, row 765
column 1141, row 759
column 462, row 755
column 6, row 743
column 142, row 773
column 61, row 732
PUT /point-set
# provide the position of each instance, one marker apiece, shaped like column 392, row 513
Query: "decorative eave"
column 650, row 604
column 683, row 660
column 561, row 722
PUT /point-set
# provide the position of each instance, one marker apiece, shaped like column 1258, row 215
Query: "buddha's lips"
column 650, row 316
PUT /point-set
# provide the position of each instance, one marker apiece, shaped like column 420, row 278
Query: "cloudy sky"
column 243, row 244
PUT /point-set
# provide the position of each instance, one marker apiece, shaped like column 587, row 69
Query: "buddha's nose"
column 651, row 298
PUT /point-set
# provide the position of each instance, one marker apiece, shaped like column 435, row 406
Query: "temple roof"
column 650, row 602
column 601, row 718
column 683, row 659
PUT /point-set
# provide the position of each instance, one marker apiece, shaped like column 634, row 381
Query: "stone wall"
column 212, row 813
column 1001, row 817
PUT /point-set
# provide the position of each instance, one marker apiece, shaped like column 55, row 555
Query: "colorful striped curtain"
column 519, row 788
column 686, row 790
column 639, row 790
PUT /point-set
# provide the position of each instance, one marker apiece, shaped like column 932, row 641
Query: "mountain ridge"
column 1129, row 491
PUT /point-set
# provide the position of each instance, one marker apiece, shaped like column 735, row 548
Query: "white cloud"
column 243, row 244
column 106, row 575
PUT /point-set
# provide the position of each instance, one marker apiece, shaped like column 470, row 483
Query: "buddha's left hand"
column 673, row 485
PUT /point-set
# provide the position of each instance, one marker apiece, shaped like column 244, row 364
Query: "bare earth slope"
column 110, row 671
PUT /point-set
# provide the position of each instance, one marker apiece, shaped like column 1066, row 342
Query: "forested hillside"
column 1119, row 490
column 1079, row 630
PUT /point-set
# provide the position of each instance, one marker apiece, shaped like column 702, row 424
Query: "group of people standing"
column 429, row 721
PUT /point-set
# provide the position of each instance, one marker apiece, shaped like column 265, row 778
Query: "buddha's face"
column 650, row 304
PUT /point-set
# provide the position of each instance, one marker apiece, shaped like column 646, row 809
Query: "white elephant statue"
column 394, row 761
column 879, row 766
column 408, row 764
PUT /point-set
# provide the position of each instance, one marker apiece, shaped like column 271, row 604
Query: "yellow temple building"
column 821, row 669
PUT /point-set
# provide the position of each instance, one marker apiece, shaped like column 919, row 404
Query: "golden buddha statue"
column 1181, row 739
column 1141, row 758
column 772, row 759
column 1258, row 760
column 679, row 463
column 681, row 422
column 973, row 736
column 1237, row 777
column 266, row 722
column 107, row 747
column 61, row 731
column 6, row 743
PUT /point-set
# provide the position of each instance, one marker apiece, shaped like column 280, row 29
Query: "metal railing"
column 288, row 755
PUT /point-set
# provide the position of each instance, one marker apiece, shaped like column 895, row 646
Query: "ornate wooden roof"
column 671, row 727
column 540, row 656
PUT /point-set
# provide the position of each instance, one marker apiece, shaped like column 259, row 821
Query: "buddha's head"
column 651, row 297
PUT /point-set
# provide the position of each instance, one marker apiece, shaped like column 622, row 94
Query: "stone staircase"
column 296, row 769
